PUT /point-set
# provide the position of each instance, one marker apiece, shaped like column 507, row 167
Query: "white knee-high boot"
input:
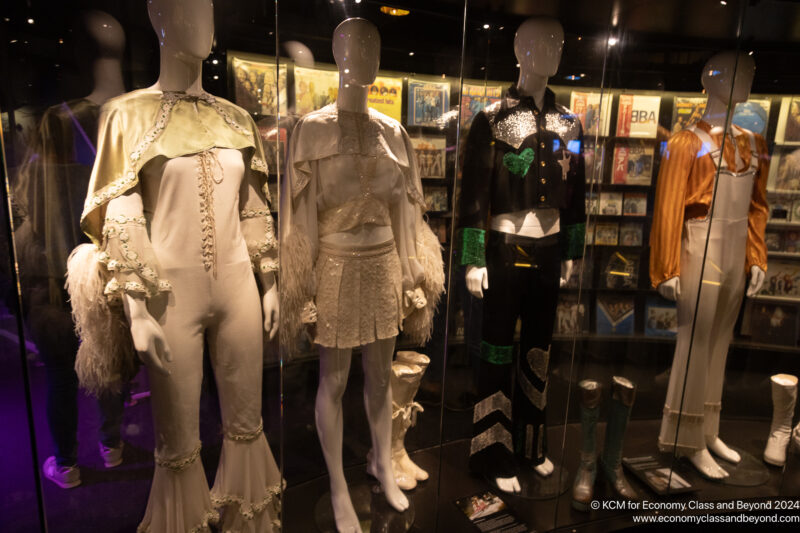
column 399, row 453
column 784, row 396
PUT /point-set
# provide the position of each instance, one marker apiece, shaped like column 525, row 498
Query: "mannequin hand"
column 670, row 289
column 149, row 340
column 756, row 280
column 566, row 271
column 416, row 298
column 477, row 280
column 269, row 302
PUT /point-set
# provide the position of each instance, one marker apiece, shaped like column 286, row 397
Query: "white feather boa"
column 106, row 358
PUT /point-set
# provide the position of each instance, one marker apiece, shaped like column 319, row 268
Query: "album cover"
column 634, row 204
column 663, row 475
column 594, row 116
column 610, row 203
column 687, row 110
column 593, row 157
column 791, row 242
column 592, row 203
column 256, row 87
column 488, row 513
column 784, row 172
column 606, row 234
column 774, row 323
column 475, row 97
column 795, row 211
column 620, row 270
column 427, row 102
column 633, row 162
column 572, row 314
column 630, row 234
column 430, row 153
column 273, row 192
column 615, row 315
column 589, row 234
column 436, row 198
column 314, row 88
column 661, row 317
column 780, row 211
column 581, row 275
column 782, row 280
column 788, row 131
column 386, row 96
column 637, row 116
column 774, row 240
column 752, row 115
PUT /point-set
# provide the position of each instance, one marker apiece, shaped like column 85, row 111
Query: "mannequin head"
column 538, row 44
column 718, row 77
column 106, row 33
column 356, row 49
column 185, row 28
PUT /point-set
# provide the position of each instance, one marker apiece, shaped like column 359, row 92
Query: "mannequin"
column 734, row 228
column 179, row 214
column 49, row 192
column 106, row 69
column 549, row 219
column 352, row 232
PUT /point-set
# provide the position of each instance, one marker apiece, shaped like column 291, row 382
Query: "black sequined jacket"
column 517, row 158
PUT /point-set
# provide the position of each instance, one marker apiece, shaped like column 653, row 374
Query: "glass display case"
column 402, row 266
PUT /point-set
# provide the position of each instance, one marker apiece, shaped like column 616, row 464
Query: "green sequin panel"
column 574, row 237
column 497, row 355
column 473, row 247
column 519, row 164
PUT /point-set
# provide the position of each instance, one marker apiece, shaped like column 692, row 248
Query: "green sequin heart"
column 519, row 164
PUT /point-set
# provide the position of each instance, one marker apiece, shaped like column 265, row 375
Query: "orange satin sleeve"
column 759, row 209
column 672, row 189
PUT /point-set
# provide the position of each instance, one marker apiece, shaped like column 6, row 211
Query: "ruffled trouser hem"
column 247, row 487
column 179, row 500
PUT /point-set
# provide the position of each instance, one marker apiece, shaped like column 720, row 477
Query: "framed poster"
column 427, row 102
column 430, row 153
column 475, row 97
column 314, row 88
column 258, row 86
column 686, row 111
column 386, row 96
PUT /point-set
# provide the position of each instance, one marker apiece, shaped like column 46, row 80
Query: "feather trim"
column 418, row 326
column 106, row 358
column 298, row 286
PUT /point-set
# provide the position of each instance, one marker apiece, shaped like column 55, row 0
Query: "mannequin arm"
column 670, row 289
column 477, row 280
column 567, row 266
column 269, row 302
column 148, row 337
column 756, row 280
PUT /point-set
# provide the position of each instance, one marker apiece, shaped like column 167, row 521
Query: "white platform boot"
column 399, row 453
column 784, row 396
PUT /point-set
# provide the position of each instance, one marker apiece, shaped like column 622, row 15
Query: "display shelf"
column 776, row 224
column 784, row 255
column 780, row 299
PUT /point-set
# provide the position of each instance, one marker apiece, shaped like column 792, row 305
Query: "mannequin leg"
column 377, row 363
column 682, row 426
column 334, row 368
column 248, row 482
column 492, row 448
column 538, row 312
column 179, row 497
column 730, row 300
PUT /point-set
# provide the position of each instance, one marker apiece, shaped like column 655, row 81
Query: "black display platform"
column 374, row 512
column 749, row 472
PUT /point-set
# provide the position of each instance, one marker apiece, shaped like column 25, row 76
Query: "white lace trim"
column 248, row 510
column 254, row 213
column 258, row 164
column 246, row 436
column 177, row 465
column 207, row 162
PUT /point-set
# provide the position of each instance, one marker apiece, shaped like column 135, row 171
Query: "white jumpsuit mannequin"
column 705, row 332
